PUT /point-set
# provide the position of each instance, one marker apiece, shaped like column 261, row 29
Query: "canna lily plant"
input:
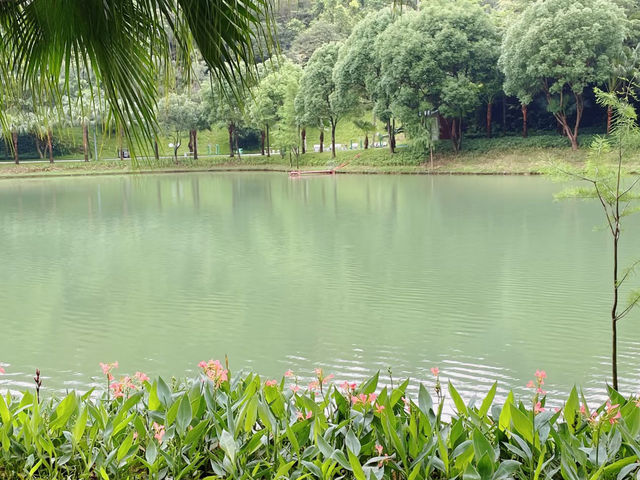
column 220, row 425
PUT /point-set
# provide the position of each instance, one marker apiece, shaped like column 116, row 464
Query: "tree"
column 437, row 59
column 225, row 110
column 269, row 97
column 616, row 192
column 358, row 69
column 318, row 91
column 126, row 43
column 182, row 113
column 308, row 41
column 366, row 127
column 559, row 47
column 286, row 134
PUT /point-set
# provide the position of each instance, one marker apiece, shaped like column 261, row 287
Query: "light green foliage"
column 181, row 113
column 286, row 132
column 357, row 70
column 244, row 427
column 308, row 41
column 437, row 58
column 559, row 47
column 617, row 192
column 317, row 100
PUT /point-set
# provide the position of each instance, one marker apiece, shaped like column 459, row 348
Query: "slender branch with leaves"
column 616, row 190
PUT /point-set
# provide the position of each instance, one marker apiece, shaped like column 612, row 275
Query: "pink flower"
column 214, row 371
column 318, row 372
column 372, row 397
column 118, row 389
column 583, row 409
column 541, row 391
column 435, row 371
column 379, row 449
column 288, row 373
column 540, row 376
column 294, row 388
column 538, row 408
column 159, row 432
column 141, row 377
column 531, row 384
column 314, row 385
column 271, row 383
column 613, row 412
column 301, row 416
column 107, row 367
column 359, row 399
column 2, row 371
column 379, row 408
column 326, row 379
column 347, row 387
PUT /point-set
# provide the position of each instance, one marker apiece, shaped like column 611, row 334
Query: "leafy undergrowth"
column 244, row 427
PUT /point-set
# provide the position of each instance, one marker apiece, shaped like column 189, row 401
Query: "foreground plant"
column 241, row 427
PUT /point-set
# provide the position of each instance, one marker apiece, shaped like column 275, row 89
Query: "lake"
column 487, row 278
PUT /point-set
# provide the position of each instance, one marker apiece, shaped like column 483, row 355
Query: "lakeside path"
column 521, row 162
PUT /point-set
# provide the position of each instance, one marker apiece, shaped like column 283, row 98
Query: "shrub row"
column 215, row 426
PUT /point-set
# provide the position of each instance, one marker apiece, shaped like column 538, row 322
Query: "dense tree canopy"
column 560, row 47
column 438, row 58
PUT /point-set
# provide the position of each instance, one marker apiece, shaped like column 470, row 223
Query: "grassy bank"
column 506, row 155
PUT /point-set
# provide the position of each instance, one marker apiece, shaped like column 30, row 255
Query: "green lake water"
column 487, row 278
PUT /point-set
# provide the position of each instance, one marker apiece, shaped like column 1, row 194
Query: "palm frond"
column 126, row 44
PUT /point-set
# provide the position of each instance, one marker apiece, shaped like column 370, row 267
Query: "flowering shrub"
column 244, row 427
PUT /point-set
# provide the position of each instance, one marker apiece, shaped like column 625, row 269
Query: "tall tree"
column 358, row 69
column 437, row 59
column 318, row 90
column 559, row 47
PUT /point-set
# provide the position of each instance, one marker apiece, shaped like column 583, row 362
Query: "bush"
column 217, row 427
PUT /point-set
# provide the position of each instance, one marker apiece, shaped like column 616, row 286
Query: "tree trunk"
column 456, row 134
column 85, row 141
column 321, row 141
column 14, row 136
column 489, row 107
column 366, row 141
column 50, row 145
column 393, row 135
column 609, row 118
column 39, row 147
column 333, row 139
column 194, row 136
column 262, row 141
column 391, row 141
column 156, row 152
column 268, row 142
column 525, row 132
column 614, row 311
column 303, row 134
column 230, row 129
column 120, row 149
column 504, row 115
column 235, row 134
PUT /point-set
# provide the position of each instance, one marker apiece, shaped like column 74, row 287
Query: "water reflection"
column 487, row 278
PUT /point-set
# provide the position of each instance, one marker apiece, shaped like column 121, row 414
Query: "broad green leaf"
column 457, row 400
column 184, row 416
column 521, row 423
column 151, row 452
column 352, row 443
column 504, row 422
column 488, row 400
column 572, row 410
column 228, row 445
column 356, row 467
